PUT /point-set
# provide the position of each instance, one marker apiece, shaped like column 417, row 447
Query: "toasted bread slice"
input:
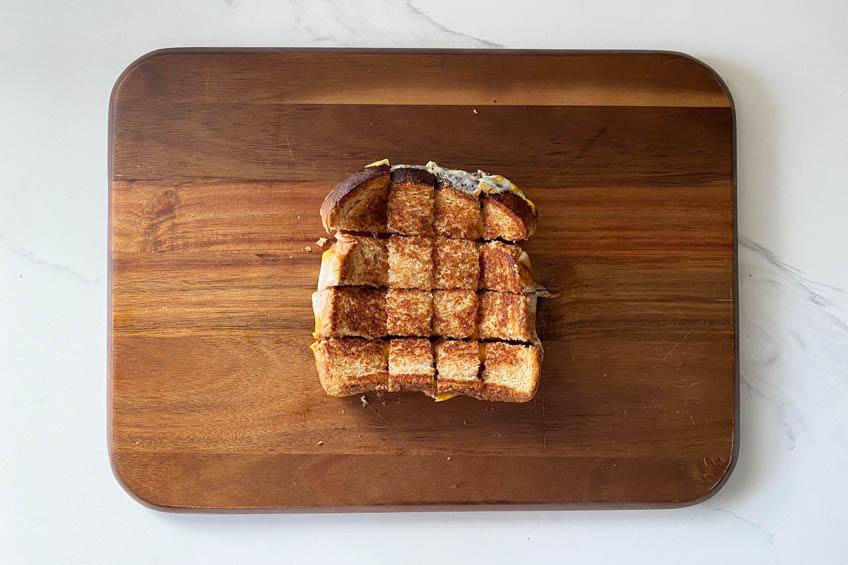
column 506, row 316
column 456, row 213
column 505, row 268
column 409, row 312
column 358, row 203
column 457, row 367
column 351, row 365
column 410, row 262
column 509, row 216
column 410, row 205
column 454, row 313
column 411, row 365
column 354, row 261
column 349, row 311
column 455, row 264
column 511, row 372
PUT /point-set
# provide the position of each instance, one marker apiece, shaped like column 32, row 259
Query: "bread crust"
column 505, row 268
column 374, row 220
column 413, row 176
column 349, row 311
column 507, row 216
column 351, row 365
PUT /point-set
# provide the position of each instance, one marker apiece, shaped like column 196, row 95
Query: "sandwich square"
column 456, row 213
column 349, row 311
column 410, row 262
column 507, row 316
column 456, row 264
column 409, row 312
column 351, row 365
column 511, row 372
column 354, row 260
column 410, row 204
column 454, row 313
column 505, row 268
column 457, row 366
column 411, row 365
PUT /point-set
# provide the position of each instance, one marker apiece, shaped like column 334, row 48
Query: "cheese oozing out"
column 472, row 183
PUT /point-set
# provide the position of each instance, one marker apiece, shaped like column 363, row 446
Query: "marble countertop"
column 786, row 67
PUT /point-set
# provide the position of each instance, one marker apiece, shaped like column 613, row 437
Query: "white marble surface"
column 786, row 67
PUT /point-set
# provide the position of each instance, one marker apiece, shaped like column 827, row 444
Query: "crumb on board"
column 308, row 248
column 343, row 411
column 363, row 400
column 320, row 442
column 321, row 241
column 291, row 256
column 449, row 458
column 298, row 216
column 474, row 110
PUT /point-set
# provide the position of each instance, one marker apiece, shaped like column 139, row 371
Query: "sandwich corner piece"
column 425, row 288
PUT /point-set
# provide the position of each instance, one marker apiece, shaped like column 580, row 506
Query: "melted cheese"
column 317, row 333
column 377, row 163
column 459, row 179
column 442, row 397
column 475, row 183
column 497, row 184
column 524, row 259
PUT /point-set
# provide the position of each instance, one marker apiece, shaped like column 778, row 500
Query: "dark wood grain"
column 218, row 165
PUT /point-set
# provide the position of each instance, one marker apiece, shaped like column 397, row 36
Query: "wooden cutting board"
column 219, row 161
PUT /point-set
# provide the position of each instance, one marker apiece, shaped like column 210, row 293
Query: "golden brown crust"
column 351, row 365
column 505, row 268
column 410, row 209
column 410, row 262
column 454, row 313
column 457, row 367
column 506, row 316
column 433, row 268
column 354, row 261
column 411, row 366
column 511, row 372
column 409, row 312
column 349, row 311
column 455, row 264
column 358, row 203
column 456, row 214
column 507, row 216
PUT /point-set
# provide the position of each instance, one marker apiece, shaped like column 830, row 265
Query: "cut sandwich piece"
column 455, row 264
column 351, row 365
column 454, row 313
column 506, row 316
column 457, row 367
column 410, row 262
column 505, row 268
column 456, row 213
column 411, row 365
column 410, row 204
column 508, row 215
column 349, row 311
column 354, row 261
column 511, row 372
column 409, row 312
column 358, row 203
